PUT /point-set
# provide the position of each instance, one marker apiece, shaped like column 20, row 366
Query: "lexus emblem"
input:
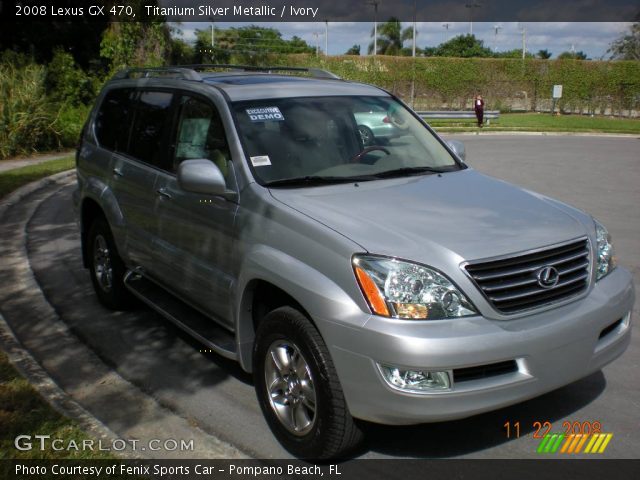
column 548, row 277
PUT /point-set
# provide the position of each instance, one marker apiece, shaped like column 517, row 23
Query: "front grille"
column 512, row 285
column 484, row 371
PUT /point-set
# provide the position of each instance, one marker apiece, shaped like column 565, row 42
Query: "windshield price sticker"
column 261, row 161
column 265, row 114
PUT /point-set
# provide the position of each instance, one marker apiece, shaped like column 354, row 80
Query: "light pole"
column 375, row 4
column 471, row 6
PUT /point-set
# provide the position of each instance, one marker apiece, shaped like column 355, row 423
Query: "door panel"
column 196, row 249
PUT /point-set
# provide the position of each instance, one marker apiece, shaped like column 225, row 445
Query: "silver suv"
column 387, row 283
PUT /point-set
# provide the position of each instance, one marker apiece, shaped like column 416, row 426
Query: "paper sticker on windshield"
column 265, row 114
column 260, row 161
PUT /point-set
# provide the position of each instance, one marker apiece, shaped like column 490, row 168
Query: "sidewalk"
column 24, row 161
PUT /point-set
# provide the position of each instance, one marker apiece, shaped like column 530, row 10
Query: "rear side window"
column 150, row 127
column 113, row 120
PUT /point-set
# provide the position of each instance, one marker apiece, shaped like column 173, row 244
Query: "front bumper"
column 551, row 349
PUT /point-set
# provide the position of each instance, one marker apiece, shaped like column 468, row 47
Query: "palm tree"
column 390, row 37
column 543, row 54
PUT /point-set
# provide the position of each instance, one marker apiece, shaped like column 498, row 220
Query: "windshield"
column 320, row 140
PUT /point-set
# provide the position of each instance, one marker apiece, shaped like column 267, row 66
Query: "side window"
column 113, row 120
column 153, row 116
column 200, row 134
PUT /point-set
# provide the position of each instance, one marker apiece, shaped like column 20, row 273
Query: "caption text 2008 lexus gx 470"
column 376, row 279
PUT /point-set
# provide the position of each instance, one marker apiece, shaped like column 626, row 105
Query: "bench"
column 458, row 114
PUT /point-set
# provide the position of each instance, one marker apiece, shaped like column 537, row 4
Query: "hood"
column 419, row 218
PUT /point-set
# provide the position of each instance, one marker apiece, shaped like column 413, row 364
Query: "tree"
column 390, row 37
column 627, row 47
column 543, row 54
column 573, row 56
column 248, row 44
column 354, row 50
column 463, row 46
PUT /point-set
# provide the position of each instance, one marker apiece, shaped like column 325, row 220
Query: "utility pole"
column 471, row 6
column 375, row 4
column 413, row 48
column 446, row 34
column 524, row 41
column 496, row 29
column 326, row 38
column 317, row 35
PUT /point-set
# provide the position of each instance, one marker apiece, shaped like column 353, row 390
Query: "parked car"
column 376, row 127
column 357, row 282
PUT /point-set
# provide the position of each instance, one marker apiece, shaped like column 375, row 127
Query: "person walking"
column 478, row 106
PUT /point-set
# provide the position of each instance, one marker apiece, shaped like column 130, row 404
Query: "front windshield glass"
column 335, row 139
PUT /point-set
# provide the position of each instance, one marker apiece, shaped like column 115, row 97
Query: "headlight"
column 398, row 289
column 605, row 256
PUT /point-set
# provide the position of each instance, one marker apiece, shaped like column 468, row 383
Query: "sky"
column 593, row 38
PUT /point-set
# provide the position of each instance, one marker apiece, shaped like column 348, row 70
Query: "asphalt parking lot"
column 597, row 174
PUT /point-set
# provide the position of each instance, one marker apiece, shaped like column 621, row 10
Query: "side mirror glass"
column 458, row 148
column 201, row 176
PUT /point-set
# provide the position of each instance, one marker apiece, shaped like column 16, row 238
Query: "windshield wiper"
column 401, row 172
column 312, row 180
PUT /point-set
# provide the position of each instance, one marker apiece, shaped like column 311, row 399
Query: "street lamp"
column 471, row 6
column 375, row 4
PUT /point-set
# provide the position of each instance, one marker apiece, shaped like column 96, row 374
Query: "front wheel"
column 298, row 388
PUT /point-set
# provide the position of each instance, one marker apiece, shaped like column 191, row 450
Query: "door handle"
column 117, row 172
column 163, row 193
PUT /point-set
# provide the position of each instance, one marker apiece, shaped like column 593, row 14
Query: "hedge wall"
column 507, row 84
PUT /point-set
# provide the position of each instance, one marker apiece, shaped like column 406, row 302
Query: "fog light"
column 419, row 381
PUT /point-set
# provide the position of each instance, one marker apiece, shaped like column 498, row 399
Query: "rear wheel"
column 298, row 388
column 106, row 267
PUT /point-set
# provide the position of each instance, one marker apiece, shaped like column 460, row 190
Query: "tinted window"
column 112, row 121
column 152, row 119
column 200, row 134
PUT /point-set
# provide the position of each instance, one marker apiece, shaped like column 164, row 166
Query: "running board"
column 203, row 329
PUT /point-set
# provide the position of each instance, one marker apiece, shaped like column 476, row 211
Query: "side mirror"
column 201, row 176
column 458, row 148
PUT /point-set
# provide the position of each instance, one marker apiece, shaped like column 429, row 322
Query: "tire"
column 107, row 268
column 367, row 136
column 305, row 384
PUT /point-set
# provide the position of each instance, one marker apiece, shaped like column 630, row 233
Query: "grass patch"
column 24, row 412
column 16, row 178
column 541, row 122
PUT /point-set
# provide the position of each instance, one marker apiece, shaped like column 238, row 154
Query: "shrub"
column 67, row 83
column 27, row 118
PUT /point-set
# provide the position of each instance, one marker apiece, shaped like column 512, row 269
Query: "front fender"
column 320, row 296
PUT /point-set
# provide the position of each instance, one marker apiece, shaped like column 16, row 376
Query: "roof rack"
column 190, row 72
column 314, row 72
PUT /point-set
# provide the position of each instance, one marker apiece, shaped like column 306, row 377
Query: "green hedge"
column 504, row 82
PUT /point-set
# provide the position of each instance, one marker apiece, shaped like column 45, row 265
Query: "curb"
column 58, row 398
column 22, row 360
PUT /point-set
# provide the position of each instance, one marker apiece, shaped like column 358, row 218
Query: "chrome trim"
column 539, row 308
